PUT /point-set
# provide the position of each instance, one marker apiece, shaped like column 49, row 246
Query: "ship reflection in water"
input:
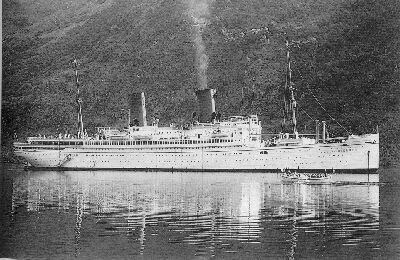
column 109, row 214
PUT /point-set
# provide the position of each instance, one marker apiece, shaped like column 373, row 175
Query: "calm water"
column 114, row 215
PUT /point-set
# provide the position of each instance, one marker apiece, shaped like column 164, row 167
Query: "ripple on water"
column 196, row 214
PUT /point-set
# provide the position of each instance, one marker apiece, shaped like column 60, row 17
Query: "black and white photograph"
column 200, row 129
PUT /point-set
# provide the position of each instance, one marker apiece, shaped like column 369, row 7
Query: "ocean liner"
column 207, row 143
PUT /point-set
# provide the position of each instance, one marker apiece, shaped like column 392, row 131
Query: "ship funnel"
column 138, row 108
column 206, row 101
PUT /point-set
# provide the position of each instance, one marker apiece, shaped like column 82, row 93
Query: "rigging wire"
column 305, row 112
column 319, row 103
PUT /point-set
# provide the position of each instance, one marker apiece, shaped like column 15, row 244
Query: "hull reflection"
column 213, row 212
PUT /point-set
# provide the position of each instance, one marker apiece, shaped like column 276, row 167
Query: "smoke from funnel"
column 199, row 12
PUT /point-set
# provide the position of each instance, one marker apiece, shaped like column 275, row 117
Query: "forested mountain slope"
column 345, row 58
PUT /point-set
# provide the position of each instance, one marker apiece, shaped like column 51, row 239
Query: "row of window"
column 57, row 142
column 38, row 147
column 159, row 142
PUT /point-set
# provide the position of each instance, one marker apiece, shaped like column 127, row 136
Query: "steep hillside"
column 358, row 70
column 345, row 58
column 346, row 61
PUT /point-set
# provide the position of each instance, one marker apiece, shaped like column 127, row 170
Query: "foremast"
column 79, row 102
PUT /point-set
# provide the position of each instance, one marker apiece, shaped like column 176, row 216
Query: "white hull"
column 336, row 156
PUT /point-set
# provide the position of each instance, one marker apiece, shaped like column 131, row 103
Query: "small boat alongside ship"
column 207, row 143
column 310, row 178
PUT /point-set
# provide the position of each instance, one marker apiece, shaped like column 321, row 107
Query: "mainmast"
column 79, row 101
column 290, row 108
